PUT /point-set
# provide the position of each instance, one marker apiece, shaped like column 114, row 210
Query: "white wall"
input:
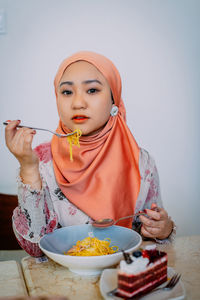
column 155, row 45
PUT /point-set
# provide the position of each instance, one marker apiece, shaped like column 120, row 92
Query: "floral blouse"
column 42, row 211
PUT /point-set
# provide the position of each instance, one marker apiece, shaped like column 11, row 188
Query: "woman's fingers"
column 27, row 134
column 19, row 141
column 154, row 206
column 149, row 232
column 156, row 224
column 151, row 228
column 156, row 213
column 149, row 223
column 152, row 217
column 10, row 131
column 23, row 141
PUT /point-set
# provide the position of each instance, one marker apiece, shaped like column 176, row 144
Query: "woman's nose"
column 79, row 101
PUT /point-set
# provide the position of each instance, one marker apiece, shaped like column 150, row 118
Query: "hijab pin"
column 114, row 111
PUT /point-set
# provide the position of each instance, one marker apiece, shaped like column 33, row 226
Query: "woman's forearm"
column 30, row 175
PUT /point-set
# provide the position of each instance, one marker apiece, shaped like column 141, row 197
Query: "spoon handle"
column 131, row 216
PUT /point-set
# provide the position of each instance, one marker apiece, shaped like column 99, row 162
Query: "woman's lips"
column 80, row 118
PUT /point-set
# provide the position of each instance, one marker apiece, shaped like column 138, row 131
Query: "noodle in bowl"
column 55, row 244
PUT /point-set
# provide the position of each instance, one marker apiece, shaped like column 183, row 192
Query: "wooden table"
column 47, row 279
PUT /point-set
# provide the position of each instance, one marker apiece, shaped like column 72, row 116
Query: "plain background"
column 155, row 45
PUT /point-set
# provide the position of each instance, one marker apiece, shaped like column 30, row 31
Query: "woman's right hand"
column 19, row 142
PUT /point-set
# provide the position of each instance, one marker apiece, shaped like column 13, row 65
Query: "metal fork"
column 169, row 286
column 53, row 132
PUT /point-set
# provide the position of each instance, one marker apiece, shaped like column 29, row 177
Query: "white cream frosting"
column 150, row 247
column 138, row 265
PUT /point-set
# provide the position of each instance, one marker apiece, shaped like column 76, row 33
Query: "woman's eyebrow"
column 91, row 81
column 84, row 82
column 66, row 82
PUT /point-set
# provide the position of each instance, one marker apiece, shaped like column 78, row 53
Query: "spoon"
column 53, row 132
column 102, row 223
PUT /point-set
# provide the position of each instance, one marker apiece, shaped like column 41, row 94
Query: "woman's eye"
column 92, row 91
column 66, row 92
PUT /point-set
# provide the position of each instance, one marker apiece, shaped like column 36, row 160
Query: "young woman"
column 110, row 176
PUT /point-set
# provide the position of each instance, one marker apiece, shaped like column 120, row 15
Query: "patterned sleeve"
column 34, row 216
column 149, row 192
column 154, row 193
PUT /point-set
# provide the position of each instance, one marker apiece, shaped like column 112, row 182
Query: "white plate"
column 108, row 282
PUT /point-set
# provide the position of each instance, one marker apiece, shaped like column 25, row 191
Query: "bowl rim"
column 119, row 252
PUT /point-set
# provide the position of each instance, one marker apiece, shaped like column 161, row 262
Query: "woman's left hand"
column 157, row 224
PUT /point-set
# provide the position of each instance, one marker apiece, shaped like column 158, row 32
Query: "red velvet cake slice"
column 141, row 272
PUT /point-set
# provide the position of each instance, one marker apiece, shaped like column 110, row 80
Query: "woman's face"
column 84, row 98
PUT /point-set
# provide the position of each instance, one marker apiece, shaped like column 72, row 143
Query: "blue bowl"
column 61, row 240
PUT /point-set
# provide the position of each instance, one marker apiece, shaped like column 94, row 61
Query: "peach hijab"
column 104, row 179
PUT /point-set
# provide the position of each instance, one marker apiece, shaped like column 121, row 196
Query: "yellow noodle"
column 74, row 140
column 92, row 247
